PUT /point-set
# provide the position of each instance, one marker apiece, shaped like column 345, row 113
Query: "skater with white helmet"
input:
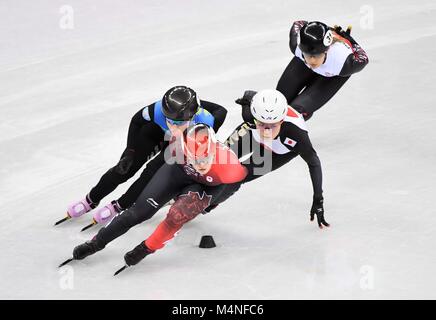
column 278, row 135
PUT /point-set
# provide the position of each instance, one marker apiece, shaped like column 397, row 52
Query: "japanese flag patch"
column 290, row 142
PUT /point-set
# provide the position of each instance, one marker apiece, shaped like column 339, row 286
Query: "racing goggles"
column 201, row 160
column 178, row 122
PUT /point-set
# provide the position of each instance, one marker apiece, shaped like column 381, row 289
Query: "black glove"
column 306, row 115
column 246, row 98
column 137, row 254
column 340, row 31
column 344, row 33
column 318, row 210
column 245, row 102
column 126, row 162
column 210, row 208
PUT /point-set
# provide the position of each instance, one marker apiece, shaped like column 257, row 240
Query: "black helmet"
column 180, row 103
column 315, row 38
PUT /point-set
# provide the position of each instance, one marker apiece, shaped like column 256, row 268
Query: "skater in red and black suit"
column 196, row 170
column 149, row 132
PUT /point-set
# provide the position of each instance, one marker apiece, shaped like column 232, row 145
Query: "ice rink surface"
column 66, row 100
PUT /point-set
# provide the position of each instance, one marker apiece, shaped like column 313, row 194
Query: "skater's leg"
column 193, row 201
column 188, row 205
column 228, row 191
column 165, row 185
column 295, row 77
column 151, row 137
column 130, row 196
column 317, row 94
column 106, row 213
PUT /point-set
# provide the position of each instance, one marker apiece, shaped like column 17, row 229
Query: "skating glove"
column 210, row 208
column 137, row 254
column 318, row 210
column 245, row 102
column 125, row 162
column 344, row 33
column 339, row 30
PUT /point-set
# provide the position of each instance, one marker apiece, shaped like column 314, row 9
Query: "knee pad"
column 176, row 217
column 187, row 207
column 120, row 176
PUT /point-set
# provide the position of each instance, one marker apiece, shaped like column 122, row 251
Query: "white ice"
column 66, row 99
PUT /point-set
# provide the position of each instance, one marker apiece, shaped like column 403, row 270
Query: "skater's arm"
column 219, row 113
column 308, row 153
column 293, row 34
column 245, row 103
column 233, row 172
column 357, row 60
column 239, row 140
column 137, row 122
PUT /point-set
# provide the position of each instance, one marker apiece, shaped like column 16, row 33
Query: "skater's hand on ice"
column 318, row 210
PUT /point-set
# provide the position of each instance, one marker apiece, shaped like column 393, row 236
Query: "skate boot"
column 104, row 214
column 78, row 208
column 81, row 207
column 86, row 249
column 137, row 254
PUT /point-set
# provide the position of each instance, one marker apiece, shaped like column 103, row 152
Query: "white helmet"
column 269, row 106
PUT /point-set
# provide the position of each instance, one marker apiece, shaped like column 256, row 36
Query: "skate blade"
column 121, row 270
column 65, row 262
column 89, row 225
column 63, row 220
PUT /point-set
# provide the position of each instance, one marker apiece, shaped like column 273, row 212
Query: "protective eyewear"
column 178, row 122
column 201, row 160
